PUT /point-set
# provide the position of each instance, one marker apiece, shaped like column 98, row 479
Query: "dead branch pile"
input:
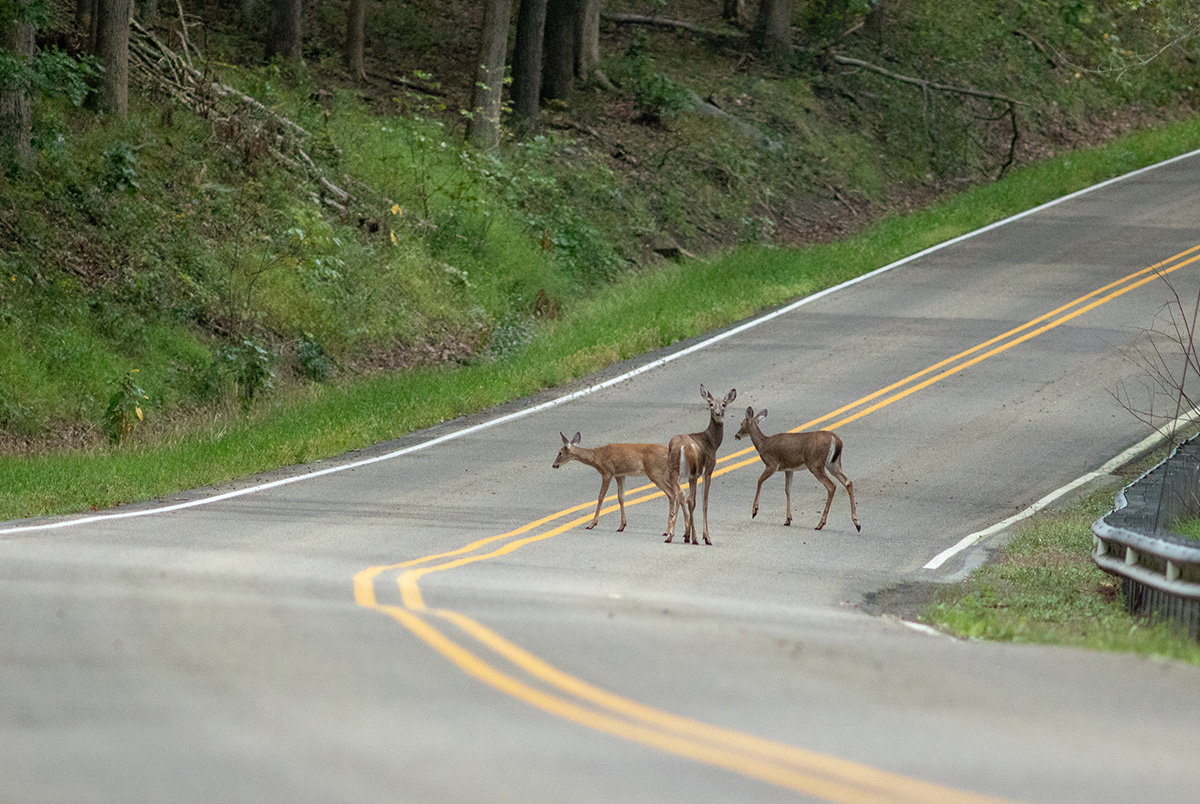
column 244, row 123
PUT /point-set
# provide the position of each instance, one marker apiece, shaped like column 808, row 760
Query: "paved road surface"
column 439, row 627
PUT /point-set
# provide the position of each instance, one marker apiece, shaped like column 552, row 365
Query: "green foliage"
column 655, row 95
column 251, row 366
column 124, row 408
column 120, row 172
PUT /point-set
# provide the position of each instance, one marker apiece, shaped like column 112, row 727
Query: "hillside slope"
column 210, row 256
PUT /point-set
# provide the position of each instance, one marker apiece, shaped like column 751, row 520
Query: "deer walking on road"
column 621, row 461
column 820, row 452
column 699, row 450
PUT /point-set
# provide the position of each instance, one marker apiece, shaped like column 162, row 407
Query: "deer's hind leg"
column 830, row 487
column 837, row 472
column 673, row 493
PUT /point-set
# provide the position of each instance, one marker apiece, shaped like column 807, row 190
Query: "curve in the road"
column 815, row 774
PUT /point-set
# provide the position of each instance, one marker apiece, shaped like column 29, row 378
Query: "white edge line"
column 562, row 400
column 1126, row 456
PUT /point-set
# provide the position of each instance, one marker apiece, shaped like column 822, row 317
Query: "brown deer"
column 820, row 451
column 621, row 461
column 699, row 450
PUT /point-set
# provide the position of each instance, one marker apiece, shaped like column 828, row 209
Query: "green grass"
column 1045, row 589
column 1188, row 527
column 638, row 313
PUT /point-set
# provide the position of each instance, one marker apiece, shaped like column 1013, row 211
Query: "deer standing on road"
column 699, row 450
column 620, row 461
column 820, row 452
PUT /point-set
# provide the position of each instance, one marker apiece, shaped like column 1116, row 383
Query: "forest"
column 214, row 211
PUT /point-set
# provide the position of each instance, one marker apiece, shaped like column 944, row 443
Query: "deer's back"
column 632, row 459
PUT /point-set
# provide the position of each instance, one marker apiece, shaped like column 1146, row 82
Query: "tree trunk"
column 734, row 12
column 558, row 48
column 773, row 30
column 527, row 65
column 85, row 10
column 112, row 48
column 587, row 38
column 148, row 12
column 483, row 127
column 356, row 15
column 16, row 125
column 874, row 22
column 284, row 40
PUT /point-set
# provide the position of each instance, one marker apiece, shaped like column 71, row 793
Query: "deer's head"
column 715, row 408
column 751, row 420
column 565, row 454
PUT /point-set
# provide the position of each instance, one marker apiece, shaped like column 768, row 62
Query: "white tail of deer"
column 820, row 452
column 621, row 461
column 699, row 450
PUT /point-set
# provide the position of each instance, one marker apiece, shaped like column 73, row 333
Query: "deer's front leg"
column 707, row 484
column 787, row 492
column 766, row 473
column 600, row 502
column 621, row 500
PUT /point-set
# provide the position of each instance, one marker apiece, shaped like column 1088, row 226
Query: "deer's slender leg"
column 621, row 500
column 707, row 484
column 787, row 492
column 770, row 470
column 840, row 475
column 664, row 485
column 830, row 487
column 600, row 502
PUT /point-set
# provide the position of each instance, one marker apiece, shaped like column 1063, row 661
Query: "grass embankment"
column 1045, row 589
column 635, row 315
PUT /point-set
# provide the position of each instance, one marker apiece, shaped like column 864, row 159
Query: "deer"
column 699, row 451
column 820, row 451
column 621, row 461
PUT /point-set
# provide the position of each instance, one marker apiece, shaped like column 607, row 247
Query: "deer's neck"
column 585, row 455
column 715, row 433
column 756, row 435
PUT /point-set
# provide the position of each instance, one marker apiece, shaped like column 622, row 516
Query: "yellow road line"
column 794, row 768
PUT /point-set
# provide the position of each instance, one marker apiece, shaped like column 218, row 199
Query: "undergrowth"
column 1045, row 588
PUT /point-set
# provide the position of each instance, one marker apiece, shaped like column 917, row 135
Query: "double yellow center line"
column 566, row 696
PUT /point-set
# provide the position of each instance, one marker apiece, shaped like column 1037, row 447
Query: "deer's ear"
column 575, row 441
column 731, row 396
column 749, row 413
column 564, row 438
column 762, row 414
column 704, row 394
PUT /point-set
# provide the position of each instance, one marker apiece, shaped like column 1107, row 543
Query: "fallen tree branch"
column 683, row 25
column 752, row 132
column 924, row 83
column 674, row 25
column 247, row 120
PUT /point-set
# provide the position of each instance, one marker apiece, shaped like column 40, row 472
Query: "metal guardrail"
column 1159, row 569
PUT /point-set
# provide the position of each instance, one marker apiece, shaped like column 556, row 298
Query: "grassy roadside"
column 1045, row 589
column 637, row 314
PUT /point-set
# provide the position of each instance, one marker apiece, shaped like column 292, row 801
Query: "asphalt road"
column 436, row 625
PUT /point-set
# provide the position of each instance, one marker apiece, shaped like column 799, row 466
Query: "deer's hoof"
column 589, row 527
column 620, row 529
column 858, row 526
column 754, row 513
column 787, row 523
